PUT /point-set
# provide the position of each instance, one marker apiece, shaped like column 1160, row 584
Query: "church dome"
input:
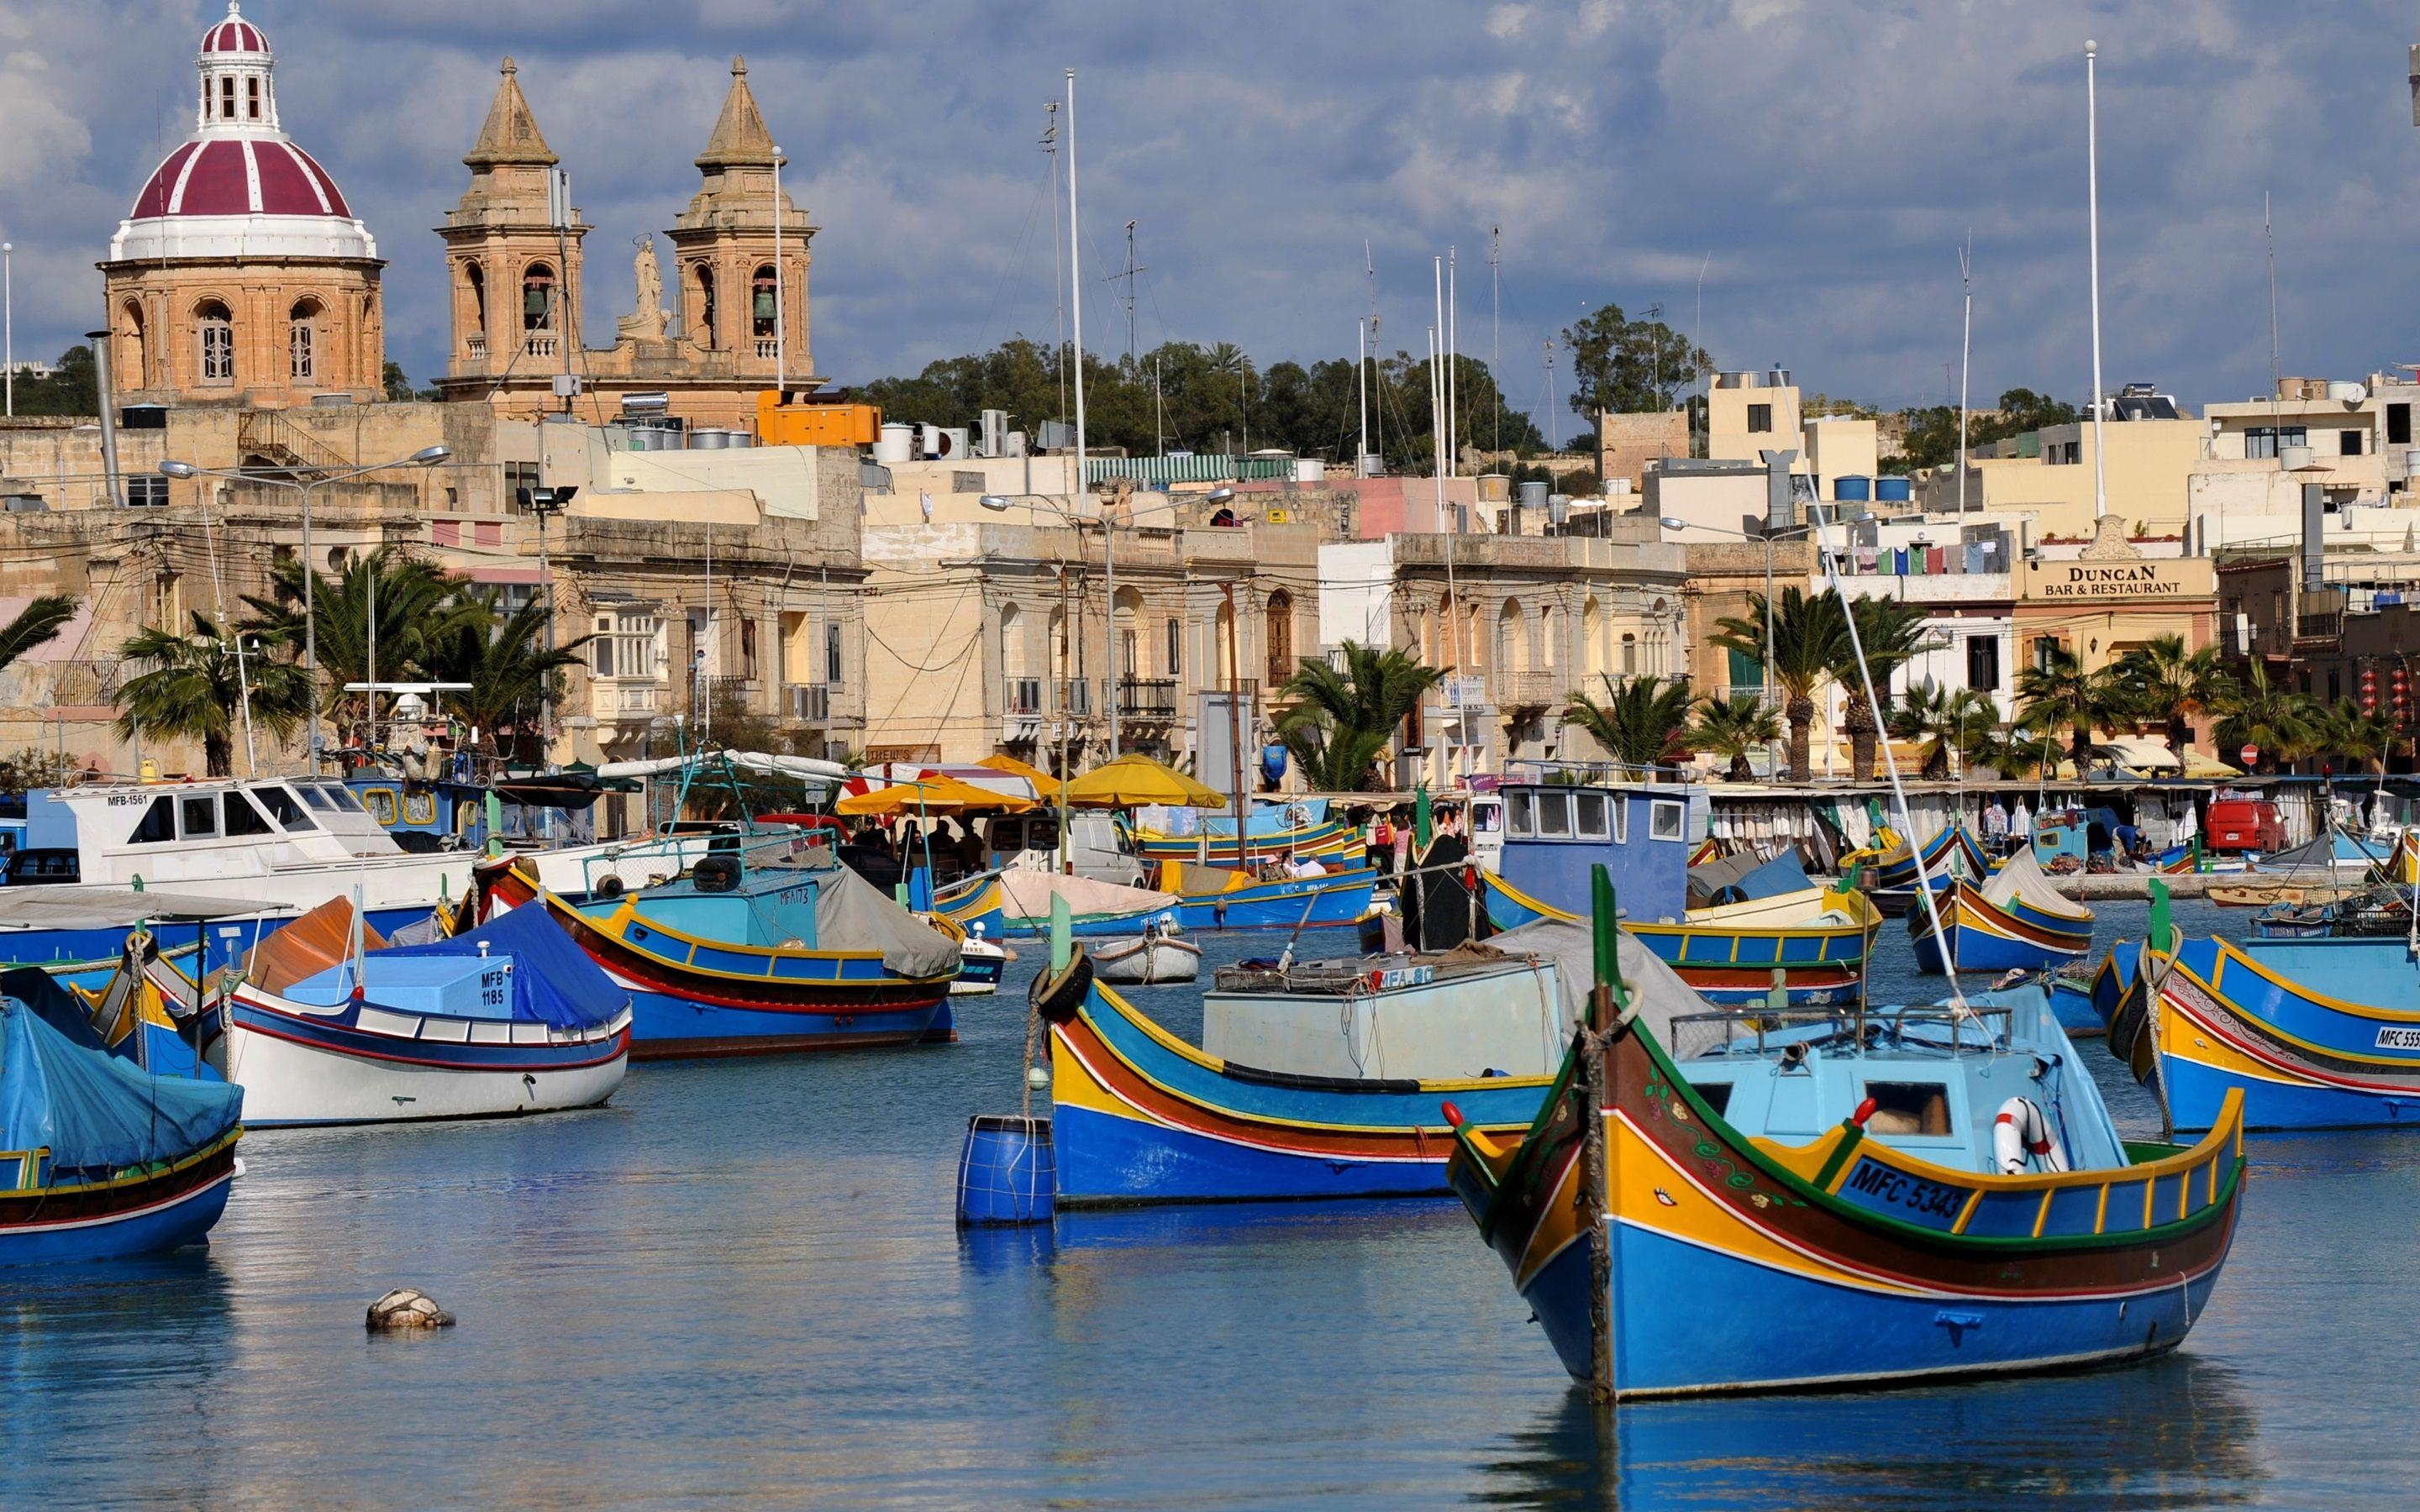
column 240, row 188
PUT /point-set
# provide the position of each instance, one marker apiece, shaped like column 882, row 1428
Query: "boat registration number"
column 2394, row 1039
column 1388, row 979
column 1883, row 1187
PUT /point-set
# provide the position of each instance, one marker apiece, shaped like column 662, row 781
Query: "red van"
column 2241, row 824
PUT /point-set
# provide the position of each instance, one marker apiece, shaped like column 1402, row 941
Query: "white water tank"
column 2293, row 458
column 2348, row 392
column 1310, row 469
column 897, row 444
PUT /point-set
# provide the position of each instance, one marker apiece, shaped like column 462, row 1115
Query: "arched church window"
column 251, row 99
column 476, row 277
column 302, row 339
column 763, row 303
column 135, row 360
column 215, row 328
column 226, row 96
column 707, row 334
column 538, row 298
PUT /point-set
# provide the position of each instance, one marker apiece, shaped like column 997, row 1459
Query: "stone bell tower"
column 731, row 304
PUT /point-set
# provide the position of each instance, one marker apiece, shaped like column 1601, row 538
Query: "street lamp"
column 1673, row 523
column 999, row 503
column 426, row 456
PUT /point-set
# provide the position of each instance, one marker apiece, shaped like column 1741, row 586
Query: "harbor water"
column 741, row 1285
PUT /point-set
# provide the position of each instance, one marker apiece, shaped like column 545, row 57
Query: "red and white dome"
column 240, row 188
column 234, row 34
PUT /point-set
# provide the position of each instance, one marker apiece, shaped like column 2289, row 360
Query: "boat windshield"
column 341, row 795
column 312, row 795
column 280, row 807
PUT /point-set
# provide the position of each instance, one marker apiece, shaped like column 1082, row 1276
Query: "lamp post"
column 1764, row 694
column 999, row 503
column 426, row 456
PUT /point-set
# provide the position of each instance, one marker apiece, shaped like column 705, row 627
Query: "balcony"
column 2327, row 625
column 1147, row 698
column 1075, row 697
column 625, row 697
column 1530, row 689
column 539, row 344
column 810, row 702
column 1021, row 696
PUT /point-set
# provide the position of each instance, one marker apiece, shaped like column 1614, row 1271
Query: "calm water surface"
column 741, row 1285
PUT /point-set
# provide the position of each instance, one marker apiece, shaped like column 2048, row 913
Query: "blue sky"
column 1819, row 161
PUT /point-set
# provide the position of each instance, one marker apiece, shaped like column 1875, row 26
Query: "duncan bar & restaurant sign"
column 2136, row 580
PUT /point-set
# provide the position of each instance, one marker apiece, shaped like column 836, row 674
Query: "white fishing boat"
column 1154, row 957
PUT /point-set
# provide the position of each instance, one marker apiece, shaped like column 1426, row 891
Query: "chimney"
column 99, row 340
column 1780, row 509
column 2315, row 550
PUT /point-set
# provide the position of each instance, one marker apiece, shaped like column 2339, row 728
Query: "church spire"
column 741, row 138
column 511, row 134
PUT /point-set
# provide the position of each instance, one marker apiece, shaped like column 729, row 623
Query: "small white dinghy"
column 1154, row 957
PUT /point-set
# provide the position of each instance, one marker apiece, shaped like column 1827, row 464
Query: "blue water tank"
column 1858, row 488
column 1893, row 490
column 1008, row 1172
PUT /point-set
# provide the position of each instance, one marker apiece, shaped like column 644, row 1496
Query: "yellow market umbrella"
column 1134, row 779
column 1044, row 783
column 931, row 796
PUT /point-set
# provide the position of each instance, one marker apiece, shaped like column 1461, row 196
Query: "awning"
column 82, row 905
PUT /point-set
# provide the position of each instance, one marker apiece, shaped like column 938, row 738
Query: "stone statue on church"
column 648, row 321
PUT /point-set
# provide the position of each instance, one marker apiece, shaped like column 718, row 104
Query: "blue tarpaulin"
column 1782, row 874
column 95, row 1111
column 554, row 981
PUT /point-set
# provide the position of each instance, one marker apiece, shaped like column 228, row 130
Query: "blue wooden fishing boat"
column 1893, row 867
column 1783, row 1202
column 1290, row 902
column 98, row 1158
column 2306, row 1033
column 1099, row 910
column 2015, row 921
column 1272, row 832
column 792, row 952
column 973, row 904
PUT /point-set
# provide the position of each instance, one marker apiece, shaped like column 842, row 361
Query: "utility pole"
column 1495, row 334
column 1965, row 358
column 1452, row 375
column 1362, row 378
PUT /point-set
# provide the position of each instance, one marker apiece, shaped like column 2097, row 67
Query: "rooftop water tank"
column 708, row 438
column 898, row 442
column 644, row 437
column 1310, row 469
column 1893, row 490
column 2348, row 392
column 1533, row 494
column 1858, row 489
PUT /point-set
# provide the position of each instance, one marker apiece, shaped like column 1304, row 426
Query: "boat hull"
column 1986, row 937
column 1307, row 902
column 1822, row 986
column 146, row 1215
column 298, row 1070
column 1146, row 962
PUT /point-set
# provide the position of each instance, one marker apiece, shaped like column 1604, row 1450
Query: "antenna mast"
column 1965, row 356
column 1058, row 253
column 1495, row 326
column 2092, row 181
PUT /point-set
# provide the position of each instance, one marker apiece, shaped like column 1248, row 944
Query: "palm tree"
column 1806, row 633
column 2347, row 733
column 2013, row 751
column 1642, row 722
column 2167, row 683
column 194, row 690
column 1944, row 721
column 1341, row 721
column 2057, row 693
column 1889, row 633
column 501, row 655
column 413, row 602
column 36, row 624
column 2281, row 723
column 1731, row 727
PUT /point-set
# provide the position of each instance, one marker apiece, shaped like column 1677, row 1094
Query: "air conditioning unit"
column 994, row 433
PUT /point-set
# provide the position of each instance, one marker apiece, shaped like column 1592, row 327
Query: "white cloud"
column 1504, row 23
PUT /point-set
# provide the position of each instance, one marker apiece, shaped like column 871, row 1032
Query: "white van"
column 1094, row 845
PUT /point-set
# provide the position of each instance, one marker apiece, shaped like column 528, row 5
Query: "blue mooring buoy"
column 1008, row 1173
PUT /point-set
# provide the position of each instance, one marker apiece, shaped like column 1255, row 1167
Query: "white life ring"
column 2021, row 1135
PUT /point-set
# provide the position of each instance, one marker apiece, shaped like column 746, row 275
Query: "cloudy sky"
column 1819, row 161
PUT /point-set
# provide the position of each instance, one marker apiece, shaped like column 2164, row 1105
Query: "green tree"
column 1932, row 430
column 1941, row 722
column 1341, row 721
column 1889, row 633
column 502, row 654
column 1734, row 729
column 73, row 387
column 2347, row 733
column 1628, row 365
column 36, row 624
column 1808, row 637
column 2167, row 683
column 413, row 601
column 1643, row 722
column 194, row 688
column 2058, row 694
column 2283, row 723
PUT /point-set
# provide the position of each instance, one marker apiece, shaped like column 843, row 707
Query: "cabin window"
column 313, row 796
column 1665, row 819
column 1621, row 823
column 382, row 804
column 342, row 796
column 1908, row 1108
column 242, row 818
column 201, row 817
column 1718, row 1095
column 420, row 808
column 1486, row 818
column 282, row 807
column 1518, row 814
column 1554, row 816
column 158, row 824
column 1590, row 816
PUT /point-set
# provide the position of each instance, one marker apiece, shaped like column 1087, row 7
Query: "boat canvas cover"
column 1028, row 894
column 1782, row 874
column 1715, row 878
column 97, row 905
column 315, row 942
column 1191, row 879
column 2325, row 854
column 1656, row 993
column 555, row 983
column 94, row 1111
column 852, row 914
column 2021, row 879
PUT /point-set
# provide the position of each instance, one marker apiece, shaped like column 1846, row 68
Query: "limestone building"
column 241, row 277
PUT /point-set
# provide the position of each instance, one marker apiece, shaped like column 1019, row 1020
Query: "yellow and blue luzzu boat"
column 1971, row 1209
column 974, row 905
column 2015, row 921
column 1299, row 828
column 2206, row 1021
